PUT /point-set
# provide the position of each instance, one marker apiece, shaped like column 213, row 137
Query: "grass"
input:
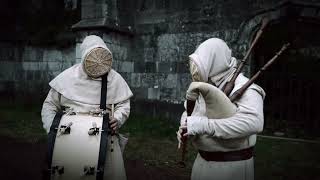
column 21, row 121
column 153, row 140
column 286, row 160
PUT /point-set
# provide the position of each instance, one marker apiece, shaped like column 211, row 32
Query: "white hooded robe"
column 73, row 88
column 216, row 65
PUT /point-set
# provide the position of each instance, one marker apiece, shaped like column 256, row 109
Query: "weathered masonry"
column 151, row 41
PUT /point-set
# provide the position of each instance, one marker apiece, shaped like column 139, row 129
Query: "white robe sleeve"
column 183, row 118
column 248, row 119
column 122, row 111
column 49, row 108
column 199, row 110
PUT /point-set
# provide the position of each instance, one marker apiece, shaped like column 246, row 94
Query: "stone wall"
column 26, row 70
column 150, row 41
column 168, row 31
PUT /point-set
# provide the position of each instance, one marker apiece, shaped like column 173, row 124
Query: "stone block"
column 125, row 66
column 140, row 93
column 55, row 66
column 7, row 53
column 150, row 67
column 7, row 70
column 135, row 79
column 119, row 53
column 29, row 75
column 166, row 67
column 149, row 80
column 149, row 54
column 37, row 75
column 182, row 67
column 168, row 48
column 69, row 55
column 170, row 81
column 18, row 75
column 52, row 55
column 153, row 93
column 309, row 12
column 139, row 67
column 30, row 66
column 168, row 94
column 29, row 54
column 78, row 53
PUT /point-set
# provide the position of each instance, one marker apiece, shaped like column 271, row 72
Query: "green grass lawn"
column 154, row 141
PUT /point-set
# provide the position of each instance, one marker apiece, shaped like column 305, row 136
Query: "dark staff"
column 230, row 85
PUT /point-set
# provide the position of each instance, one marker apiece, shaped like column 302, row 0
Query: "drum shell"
column 77, row 150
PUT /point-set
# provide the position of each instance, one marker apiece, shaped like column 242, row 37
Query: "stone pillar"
column 99, row 17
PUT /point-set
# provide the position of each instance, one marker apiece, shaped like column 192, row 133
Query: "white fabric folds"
column 76, row 85
column 214, row 61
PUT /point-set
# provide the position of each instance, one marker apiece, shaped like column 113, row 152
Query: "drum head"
column 98, row 62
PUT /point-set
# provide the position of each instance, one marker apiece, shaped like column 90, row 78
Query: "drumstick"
column 112, row 132
column 112, row 115
column 112, row 110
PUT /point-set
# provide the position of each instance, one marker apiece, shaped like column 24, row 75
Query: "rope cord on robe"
column 105, row 129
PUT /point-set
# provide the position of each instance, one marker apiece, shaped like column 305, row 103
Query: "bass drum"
column 76, row 148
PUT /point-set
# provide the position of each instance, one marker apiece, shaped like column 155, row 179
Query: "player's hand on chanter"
column 180, row 135
column 113, row 124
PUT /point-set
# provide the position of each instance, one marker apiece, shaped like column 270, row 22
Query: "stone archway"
column 292, row 83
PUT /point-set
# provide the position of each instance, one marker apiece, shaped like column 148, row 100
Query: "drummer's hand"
column 180, row 135
column 113, row 124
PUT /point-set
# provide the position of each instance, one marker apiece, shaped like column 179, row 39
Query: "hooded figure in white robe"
column 212, row 63
column 79, row 88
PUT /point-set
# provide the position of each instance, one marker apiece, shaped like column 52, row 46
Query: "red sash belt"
column 238, row 155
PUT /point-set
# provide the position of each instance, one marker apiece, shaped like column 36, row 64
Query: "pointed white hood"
column 214, row 61
column 76, row 85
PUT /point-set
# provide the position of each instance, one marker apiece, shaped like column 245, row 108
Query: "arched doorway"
column 292, row 83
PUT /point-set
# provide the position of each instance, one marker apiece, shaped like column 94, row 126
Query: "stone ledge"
column 102, row 23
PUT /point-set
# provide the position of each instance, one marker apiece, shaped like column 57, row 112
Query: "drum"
column 76, row 147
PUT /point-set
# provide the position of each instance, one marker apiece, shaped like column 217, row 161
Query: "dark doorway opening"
column 292, row 83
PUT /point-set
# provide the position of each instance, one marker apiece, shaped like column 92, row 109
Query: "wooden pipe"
column 236, row 95
column 184, row 139
column 230, row 85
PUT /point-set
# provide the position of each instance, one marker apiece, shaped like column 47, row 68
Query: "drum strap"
column 51, row 140
column 104, row 133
